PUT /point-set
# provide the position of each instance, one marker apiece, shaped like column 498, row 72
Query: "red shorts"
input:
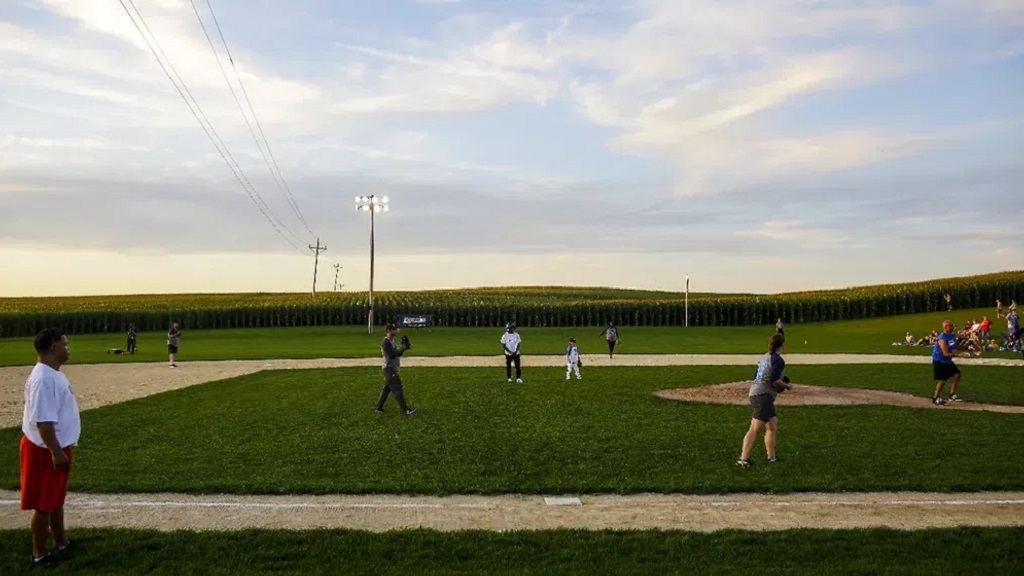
column 42, row 487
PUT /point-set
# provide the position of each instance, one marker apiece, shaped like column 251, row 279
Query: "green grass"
column 314, row 431
column 855, row 336
column 992, row 551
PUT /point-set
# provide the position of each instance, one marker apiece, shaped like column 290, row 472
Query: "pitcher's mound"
column 801, row 395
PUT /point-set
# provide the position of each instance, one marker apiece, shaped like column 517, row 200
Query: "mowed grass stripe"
column 993, row 551
column 314, row 431
column 872, row 336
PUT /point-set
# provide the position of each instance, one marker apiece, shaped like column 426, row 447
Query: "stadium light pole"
column 373, row 205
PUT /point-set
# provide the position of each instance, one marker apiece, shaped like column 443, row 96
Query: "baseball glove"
column 579, row 362
column 405, row 342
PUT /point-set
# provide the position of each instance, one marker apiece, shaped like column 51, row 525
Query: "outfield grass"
column 992, row 551
column 314, row 431
column 855, row 336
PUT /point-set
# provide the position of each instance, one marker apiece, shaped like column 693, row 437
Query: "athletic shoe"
column 567, row 377
column 378, row 410
column 509, row 380
column 954, row 398
column 773, row 459
column 65, row 552
column 743, row 463
column 174, row 365
column 410, row 411
column 519, row 380
column 939, row 402
column 46, row 560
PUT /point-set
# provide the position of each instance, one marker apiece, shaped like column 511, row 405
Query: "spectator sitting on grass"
column 909, row 339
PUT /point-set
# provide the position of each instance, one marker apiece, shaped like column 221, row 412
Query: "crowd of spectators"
column 976, row 336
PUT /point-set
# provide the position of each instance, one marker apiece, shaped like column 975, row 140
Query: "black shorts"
column 764, row 407
column 943, row 371
column 172, row 349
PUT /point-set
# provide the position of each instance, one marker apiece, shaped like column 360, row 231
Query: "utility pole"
column 337, row 269
column 316, row 261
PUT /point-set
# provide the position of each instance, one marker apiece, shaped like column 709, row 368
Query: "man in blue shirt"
column 943, row 368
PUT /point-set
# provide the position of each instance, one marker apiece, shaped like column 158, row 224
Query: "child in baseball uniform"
column 572, row 358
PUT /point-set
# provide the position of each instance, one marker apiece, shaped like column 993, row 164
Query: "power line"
column 255, row 194
column 286, row 189
column 277, row 175
column 206, row 125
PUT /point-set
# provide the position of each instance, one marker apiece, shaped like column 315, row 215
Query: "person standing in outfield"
column 943, row 368
column 999, row 308
column 133, row 339
column 392, row 357
column 173, row 335
column 611, row 334
column 572, row 357
column 51, row 425
column 779, row 327
column 769, row 380
column 511, row 340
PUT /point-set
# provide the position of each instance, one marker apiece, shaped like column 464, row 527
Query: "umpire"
column 392, row 365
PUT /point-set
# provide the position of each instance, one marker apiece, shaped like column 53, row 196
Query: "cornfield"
column 531, row 307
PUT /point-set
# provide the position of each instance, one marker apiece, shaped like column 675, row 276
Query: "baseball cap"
column 572, row 339
column 391, row 327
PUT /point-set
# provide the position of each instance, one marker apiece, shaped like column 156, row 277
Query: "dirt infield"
column 102, row 384
column 802, row 395
column 518, row 512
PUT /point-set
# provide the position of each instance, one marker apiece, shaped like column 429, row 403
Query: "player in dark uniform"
column 611, row 334
column 133, row 339
column 392, row 357
column 173, row 338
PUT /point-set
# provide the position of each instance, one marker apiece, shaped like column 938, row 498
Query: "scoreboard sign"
column 414, row 321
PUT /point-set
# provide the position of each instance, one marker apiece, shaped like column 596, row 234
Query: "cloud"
column 659, row 129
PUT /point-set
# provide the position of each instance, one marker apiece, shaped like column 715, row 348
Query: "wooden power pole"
column 316, row 261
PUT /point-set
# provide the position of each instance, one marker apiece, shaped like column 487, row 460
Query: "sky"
column 756, row 146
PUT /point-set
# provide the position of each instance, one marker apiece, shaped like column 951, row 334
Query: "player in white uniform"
column 511, row 340
column 572, row 358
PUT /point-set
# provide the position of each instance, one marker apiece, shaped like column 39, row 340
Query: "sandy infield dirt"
column 101, row 384
column 802, row 395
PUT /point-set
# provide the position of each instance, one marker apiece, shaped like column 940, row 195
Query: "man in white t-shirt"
column 51, row 425
column 511, row 340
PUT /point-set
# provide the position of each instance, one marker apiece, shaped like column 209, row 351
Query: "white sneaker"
column 509, row 380
column 567, row 377
column 519, row 380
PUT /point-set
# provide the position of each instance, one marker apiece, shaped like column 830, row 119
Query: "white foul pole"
column 687, row 301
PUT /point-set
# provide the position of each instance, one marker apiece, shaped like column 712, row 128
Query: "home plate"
column 562, row 501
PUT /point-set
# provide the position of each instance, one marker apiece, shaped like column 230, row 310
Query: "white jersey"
column 511, row 342
column 572, row 355
column 49, row 398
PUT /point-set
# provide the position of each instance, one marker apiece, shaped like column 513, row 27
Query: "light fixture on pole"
column 373, row 205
